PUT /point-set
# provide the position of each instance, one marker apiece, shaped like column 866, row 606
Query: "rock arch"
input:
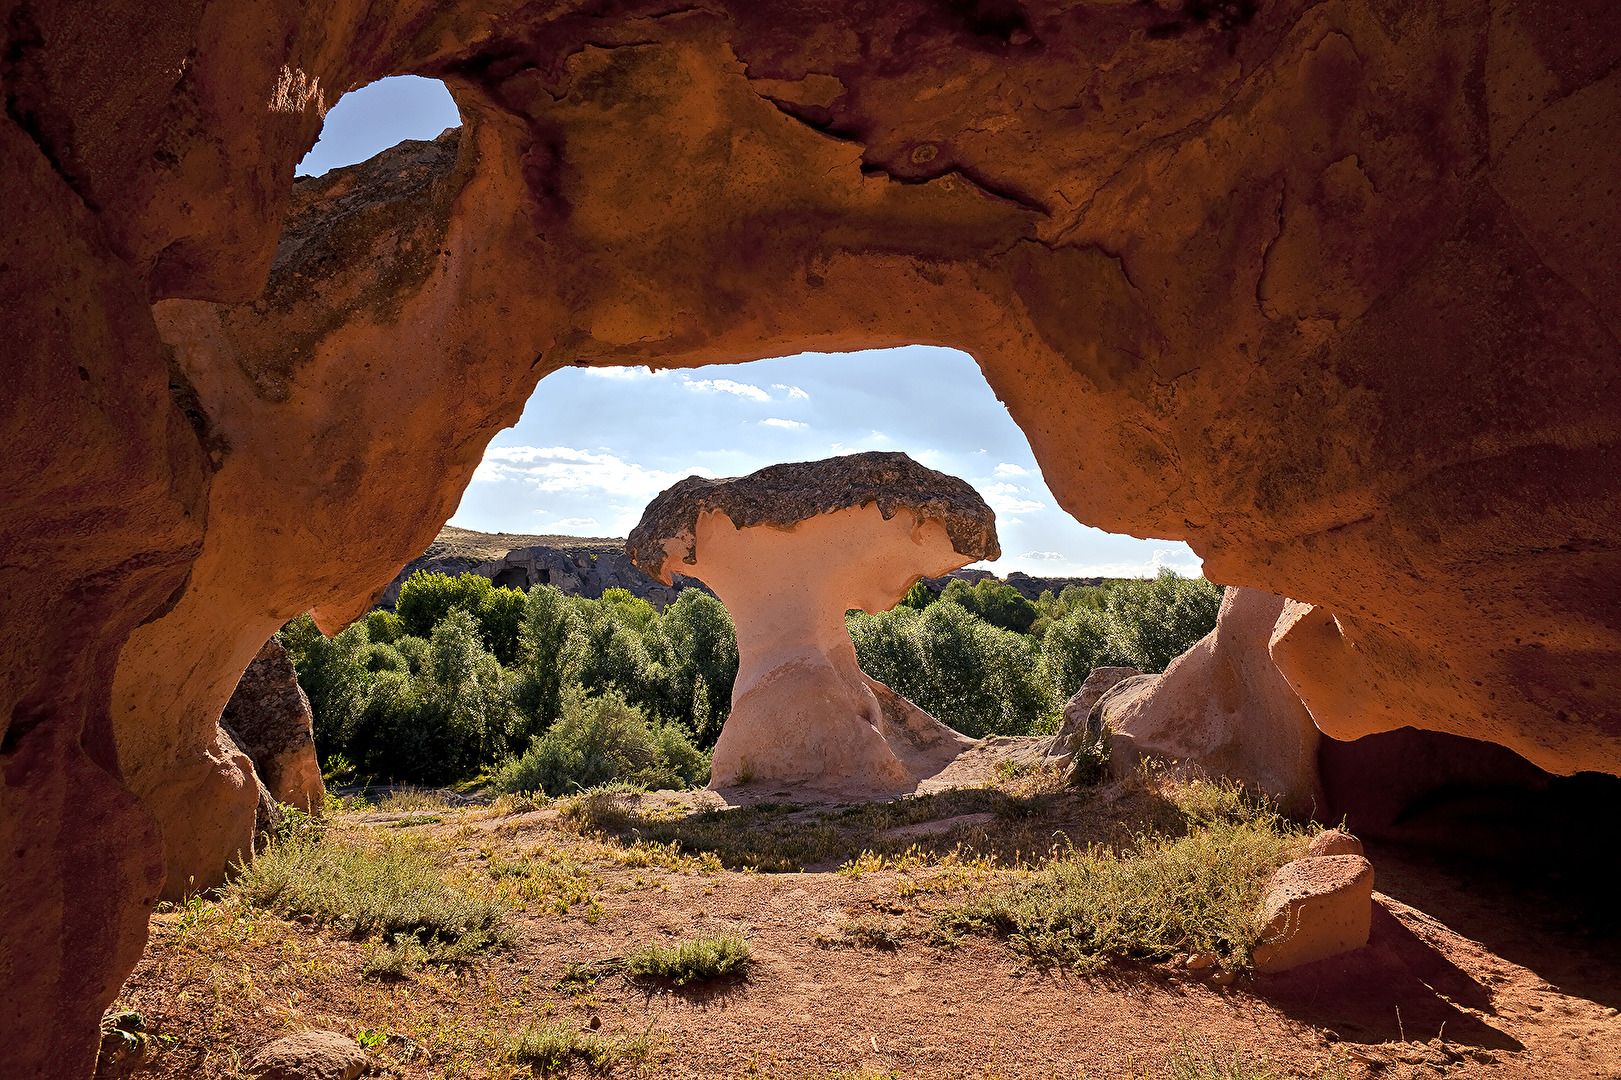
column 1328, row 290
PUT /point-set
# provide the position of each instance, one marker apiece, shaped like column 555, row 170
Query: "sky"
column 595, row 444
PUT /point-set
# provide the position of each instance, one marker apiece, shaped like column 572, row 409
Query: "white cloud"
column 567, row 469
column 573, row 523
column 1008, row 499
column 728, row 386
column 1009, row 469
column 793, row 391
column 1045, row 556
column 624, row 374
column 774, row 421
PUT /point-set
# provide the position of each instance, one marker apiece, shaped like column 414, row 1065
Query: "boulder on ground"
column 309, row 1055
column 1079, row 707
column 1314, row 908
column 1224, row 706
column 788, row 550
column 269, row 717
column 1335, row 842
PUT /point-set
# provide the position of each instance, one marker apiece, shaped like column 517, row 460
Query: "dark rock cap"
column 781, row 496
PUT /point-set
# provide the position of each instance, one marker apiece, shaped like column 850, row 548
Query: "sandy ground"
column 1465, row 975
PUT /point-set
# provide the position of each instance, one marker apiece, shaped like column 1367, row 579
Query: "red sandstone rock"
column 1334, row 842
column 270, row 716
column 1329, row 292
column 1315, row 908
column 789, row 550
column 309, row 1055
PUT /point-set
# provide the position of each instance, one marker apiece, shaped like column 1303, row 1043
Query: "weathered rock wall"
column 1328, row 290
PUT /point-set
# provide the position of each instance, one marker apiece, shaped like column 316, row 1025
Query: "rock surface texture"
column 309, row 1055
column 269, row 716
column 789, row 550
column 1078, row 709
column 1314, row 908
column 1224, row 705
column 1329, row 291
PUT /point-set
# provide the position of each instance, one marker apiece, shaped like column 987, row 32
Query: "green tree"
column 995, row 602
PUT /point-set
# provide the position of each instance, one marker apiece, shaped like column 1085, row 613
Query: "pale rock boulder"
column 269, row 715
column 1079, row 707
column 788, row 550
column 309, row 1055
column 1224, row 706
column 1334, row 842
column 1314, row 908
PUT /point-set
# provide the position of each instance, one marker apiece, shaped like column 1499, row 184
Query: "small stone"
column 309, row 1055
column 1335, row 842
column 1223, row 978
column 1201, row 960
column 596, row 1022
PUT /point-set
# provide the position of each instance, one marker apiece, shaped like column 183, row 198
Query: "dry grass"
column 1196, row 889
column 409, row 894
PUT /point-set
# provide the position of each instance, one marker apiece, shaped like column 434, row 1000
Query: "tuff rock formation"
column 1328, row 290
column 789, row 549
column 1078, row 709
column 1224, row 705
column 269, row 717
column 1314, row 908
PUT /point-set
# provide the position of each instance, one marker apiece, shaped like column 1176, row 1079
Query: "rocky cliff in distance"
column 591, row 565
column 579, row 565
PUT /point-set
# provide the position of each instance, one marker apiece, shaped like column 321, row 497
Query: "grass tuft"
column 702, row 958
column 1198, row 891
column 395, row 890
column 554, row 1048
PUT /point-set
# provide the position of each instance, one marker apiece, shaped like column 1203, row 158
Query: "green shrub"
column 426, row 598
column 1196, row 892
column 1155, row 620
column 1142, row 623
column 384, row 627
column 977, row 678
column 701, row 958
column 1073, row 646
column 703, row 645
column 601, row 740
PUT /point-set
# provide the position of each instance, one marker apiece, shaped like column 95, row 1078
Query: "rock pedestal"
column 788, row 550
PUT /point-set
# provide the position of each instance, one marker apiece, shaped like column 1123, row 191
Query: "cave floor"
column 1464, row 975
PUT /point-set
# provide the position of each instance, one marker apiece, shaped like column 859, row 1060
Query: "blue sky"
column 594, row 445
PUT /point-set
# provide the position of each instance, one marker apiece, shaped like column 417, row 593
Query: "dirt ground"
column 1467, row 974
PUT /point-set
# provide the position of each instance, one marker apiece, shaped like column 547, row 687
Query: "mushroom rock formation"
column 1224, row 705
column 789, row 550
column 1328, row 291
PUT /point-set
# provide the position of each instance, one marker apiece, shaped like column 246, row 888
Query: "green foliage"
column 384, row 627
column 600, row 740
column 696, row 960
column 1155, row 620
column 1141, row 623
column 395, row 890
column 426, row 598
column 1073, row 646
column 999, row 604
column 918, row 597
column 465, row 675
column 975, row 677
column 1198, row 891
